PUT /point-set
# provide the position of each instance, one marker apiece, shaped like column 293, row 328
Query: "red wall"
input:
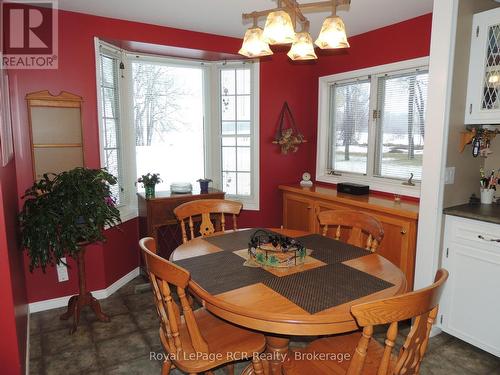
column 13, row 308
column 279, row 82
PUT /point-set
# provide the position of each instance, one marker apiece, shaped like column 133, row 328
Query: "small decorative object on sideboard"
column 289, row 138
column 181, row 187
column 204, row 185
column 351, row 188
column 306, row 180
column 149, row 181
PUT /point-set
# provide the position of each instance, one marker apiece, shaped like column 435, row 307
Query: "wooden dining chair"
column 360, row 225
column 207, row 209
column 194, row 341
column 367, row 356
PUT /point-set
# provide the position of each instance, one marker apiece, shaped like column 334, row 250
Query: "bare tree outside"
column 169, row 121
column 352, row 102
column 157, row 98
column 411, row 101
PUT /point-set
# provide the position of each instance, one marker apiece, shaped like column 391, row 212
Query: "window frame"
column 251, row 202
column 212, row 129
column 378, row 183
column 128, row 207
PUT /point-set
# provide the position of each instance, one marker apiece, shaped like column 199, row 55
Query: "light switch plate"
column 62, row 271
column 449, row 176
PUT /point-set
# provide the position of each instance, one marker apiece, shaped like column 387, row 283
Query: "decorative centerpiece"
column 273, row 250
column 149, row 181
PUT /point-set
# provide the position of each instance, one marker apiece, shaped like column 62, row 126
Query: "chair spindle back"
column 175, row 332
column 421, row 305
column 206, row 208
column 359, row 223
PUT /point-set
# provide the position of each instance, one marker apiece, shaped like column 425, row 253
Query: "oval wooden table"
column 260, row 308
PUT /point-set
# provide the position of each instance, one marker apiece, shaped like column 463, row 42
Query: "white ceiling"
column 223, row 17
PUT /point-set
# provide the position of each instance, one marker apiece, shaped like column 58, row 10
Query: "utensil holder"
column 487, row 196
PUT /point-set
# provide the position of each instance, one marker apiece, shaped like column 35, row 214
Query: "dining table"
column 310, row 299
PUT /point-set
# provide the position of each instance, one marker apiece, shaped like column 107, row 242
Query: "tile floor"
column 123, row 346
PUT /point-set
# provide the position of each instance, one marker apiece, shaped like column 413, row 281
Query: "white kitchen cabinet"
column 483, row 86
column 470, row 305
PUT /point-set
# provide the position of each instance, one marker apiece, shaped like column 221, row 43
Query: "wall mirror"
column 56, row 132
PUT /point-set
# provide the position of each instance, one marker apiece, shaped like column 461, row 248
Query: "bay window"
column 183, row 119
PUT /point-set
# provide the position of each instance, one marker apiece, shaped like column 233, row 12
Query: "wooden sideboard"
column 157, row 219
column 399, row 219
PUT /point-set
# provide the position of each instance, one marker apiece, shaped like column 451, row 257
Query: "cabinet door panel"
column 471, row 306
column 297, row 212
column 483, row 99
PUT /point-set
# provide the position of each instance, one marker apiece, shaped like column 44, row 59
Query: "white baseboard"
column 435, row 331
column 99, row 294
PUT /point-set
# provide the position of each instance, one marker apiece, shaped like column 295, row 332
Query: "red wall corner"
column 13, row 301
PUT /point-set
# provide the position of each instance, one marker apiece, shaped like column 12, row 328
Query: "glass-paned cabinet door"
column 483, row 88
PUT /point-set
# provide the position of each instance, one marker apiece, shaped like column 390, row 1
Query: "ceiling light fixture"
column 280, row 29
column 254, row 44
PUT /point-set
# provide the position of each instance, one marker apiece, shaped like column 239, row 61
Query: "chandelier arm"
column 316, row 6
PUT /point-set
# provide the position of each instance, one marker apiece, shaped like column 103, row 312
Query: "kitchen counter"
column 483, row 212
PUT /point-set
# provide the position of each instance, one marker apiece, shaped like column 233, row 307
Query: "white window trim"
column 376, row 183
column 252, row 202
column 128, row 209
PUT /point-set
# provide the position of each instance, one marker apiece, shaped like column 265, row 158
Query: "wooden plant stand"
column 84, row 298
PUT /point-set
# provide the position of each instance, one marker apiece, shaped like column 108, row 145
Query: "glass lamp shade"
column 302, row 47
column 279, row 28
column 254, row 44
column 332, row 34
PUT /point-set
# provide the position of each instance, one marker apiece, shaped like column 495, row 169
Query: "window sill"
column 248, row 204
column 375, row 183
column 128, row 213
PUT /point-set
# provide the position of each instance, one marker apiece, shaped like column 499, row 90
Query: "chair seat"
column 225, row 342
column 324, row 361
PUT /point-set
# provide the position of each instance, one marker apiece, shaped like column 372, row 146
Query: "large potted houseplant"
column 61, row 215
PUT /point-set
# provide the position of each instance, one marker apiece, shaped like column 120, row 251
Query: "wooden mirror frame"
column 44, row 99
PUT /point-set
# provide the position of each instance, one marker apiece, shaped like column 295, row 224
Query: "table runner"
column 222, row 271
column 325, row 287
column 331, row 251
column 313, row 290
column 234, row 240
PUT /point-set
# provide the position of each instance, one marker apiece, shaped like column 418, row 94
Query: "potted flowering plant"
column 149, row 181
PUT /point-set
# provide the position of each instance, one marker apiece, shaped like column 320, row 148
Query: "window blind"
column 110, row 113
column 348, row 143
column 402, row 101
